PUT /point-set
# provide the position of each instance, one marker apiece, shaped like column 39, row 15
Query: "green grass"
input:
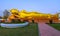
column 56, row 26
column 30, row 30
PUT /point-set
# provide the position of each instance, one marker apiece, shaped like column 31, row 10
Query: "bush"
column 16, row 21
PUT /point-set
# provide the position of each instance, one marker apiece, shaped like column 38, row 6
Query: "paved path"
column 46, row 30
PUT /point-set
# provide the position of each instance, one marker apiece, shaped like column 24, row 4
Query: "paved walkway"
column 46, row 30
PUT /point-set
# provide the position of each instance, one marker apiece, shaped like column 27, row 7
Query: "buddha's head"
column 14, row 11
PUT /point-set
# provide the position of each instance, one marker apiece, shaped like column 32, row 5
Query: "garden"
column 54, row 25
column 30, row 30
column 29, row 27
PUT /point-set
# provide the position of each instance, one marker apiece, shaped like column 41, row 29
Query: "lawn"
column 30, row 30
column 56, row 26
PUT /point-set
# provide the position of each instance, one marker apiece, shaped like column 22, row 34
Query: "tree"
column 6, row 14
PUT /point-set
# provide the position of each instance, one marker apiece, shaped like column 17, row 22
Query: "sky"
column 43, row 6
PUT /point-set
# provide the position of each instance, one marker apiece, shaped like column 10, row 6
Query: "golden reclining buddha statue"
column 23, row 14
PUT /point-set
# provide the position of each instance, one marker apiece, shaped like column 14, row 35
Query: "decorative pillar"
column 58, row 16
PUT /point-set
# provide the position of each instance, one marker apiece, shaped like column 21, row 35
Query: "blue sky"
column 44, row 6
